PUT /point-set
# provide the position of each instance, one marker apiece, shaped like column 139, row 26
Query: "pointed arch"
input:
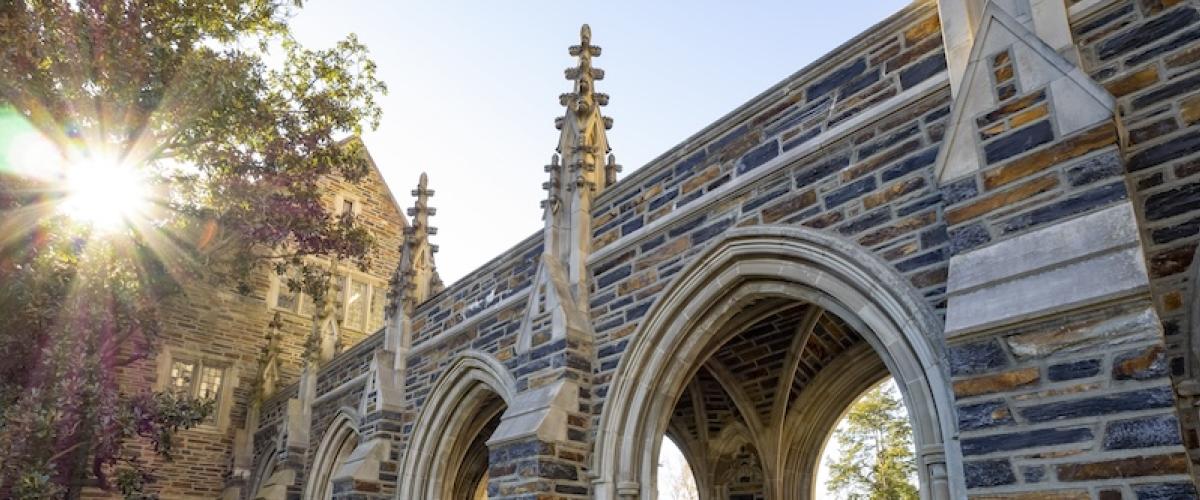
column 337, row 443
column 474, row 389
column 749, row 265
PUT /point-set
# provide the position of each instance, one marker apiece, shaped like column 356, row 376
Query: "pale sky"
column 474, row 89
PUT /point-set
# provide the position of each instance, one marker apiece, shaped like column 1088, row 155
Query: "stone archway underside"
column 753, row 419
column 755, row 281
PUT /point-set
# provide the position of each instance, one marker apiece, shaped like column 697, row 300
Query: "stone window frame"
column 339, row 203
column 376, row 291
column 229, row 380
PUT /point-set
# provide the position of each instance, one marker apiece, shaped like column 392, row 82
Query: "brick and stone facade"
column 993, row 202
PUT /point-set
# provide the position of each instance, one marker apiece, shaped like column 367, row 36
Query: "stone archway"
column 690, row 321
column 336, row 445
column 446, row 458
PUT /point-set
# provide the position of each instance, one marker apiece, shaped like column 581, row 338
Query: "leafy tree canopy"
column 232, row 124
column 875, row 458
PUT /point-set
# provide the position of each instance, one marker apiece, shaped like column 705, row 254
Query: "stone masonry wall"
column 215, row 323
column 1079, row 405
column 1147, row 54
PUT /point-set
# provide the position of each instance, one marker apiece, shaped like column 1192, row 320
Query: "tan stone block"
column 999, row 382
column 1172, row 301
column 1184, row 58
column 606, row 238
column 904, row 226
column 892, row 192
column 1189, row 110
column 922, row 29
column 1139, row 363
column 1133, row 82
column 1028, row 116
column 1160, row 465
column 787, row 206
column 999, row 200
column 700, row 179
column 637, row 282
column 1073, row 147
column 663, row 253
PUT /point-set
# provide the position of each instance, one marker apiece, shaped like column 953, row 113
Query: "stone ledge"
column 1089, row 259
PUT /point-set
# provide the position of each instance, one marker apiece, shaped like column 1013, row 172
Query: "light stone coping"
column 1087, row 7
column 541, row 412
column 776, row 164
column 1085, row 260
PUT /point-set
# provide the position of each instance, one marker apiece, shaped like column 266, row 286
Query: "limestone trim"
column 1193, row 313
column 472, row 382
column 784, row 262
column 339, row 439
column 1078, row 102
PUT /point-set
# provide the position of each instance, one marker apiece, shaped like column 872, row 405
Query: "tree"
column 875, row 451
column 180, row 93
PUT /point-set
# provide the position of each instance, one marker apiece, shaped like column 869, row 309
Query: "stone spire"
column 580, row 169
column 586, row 166
column 416, row 278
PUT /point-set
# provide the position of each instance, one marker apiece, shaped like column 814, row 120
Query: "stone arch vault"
column 785, row 262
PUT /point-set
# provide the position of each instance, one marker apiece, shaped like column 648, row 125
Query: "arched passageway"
column 336, row 446
column 447, row 458
column 753, row 354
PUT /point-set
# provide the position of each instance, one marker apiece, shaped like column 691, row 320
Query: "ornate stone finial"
column 416, row 277
column 585, row 169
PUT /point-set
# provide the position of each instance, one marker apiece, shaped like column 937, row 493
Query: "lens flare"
column 104, row 193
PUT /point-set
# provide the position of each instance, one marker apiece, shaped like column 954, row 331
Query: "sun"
column 104, row 193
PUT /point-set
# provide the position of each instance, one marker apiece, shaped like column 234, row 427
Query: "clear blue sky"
column 474, row 89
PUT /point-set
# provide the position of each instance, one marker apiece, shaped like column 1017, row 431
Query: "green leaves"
column 238, row 153
column 875, row 451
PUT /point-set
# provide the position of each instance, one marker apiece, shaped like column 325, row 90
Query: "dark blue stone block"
column 1146, row 34
column 714, row 229
column 1165, row 491
column 729, row 138
column 1175, row 148
column 1144, row 399
column 690, row 163
column 987, row 473
column 865, row 222
column 1021, row 440
column 1147, row 432
column 836, row 79
column 1179, row 231
column 1034, row 473
column 1095, row 168
column 921, row 71
column 960, row 190
column 758, row 156
column 632, row 226
column 934, row 237
column 1092, row 199
column 861, row 82
column 614, row 276
column 1173, row 89
column 663, row 199
column 849, row 192
column 686, row 226
column 976, row 358
column 964, row 238
column 983, row 415
column 926, row 259
column 1018, row 141
column 1172, row 202
column 911, row 164
column 810, row 174
column 1074, row 370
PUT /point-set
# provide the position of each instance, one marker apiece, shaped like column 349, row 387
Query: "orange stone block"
column 996, row 383
column 1002, row 199
column 1072, row 147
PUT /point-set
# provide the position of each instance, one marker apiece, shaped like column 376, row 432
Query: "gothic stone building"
column 994, row 202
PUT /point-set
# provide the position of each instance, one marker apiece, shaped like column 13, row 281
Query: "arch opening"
column 869, row 452
column 336, row 446
column 755, row 351
column 447, row 458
